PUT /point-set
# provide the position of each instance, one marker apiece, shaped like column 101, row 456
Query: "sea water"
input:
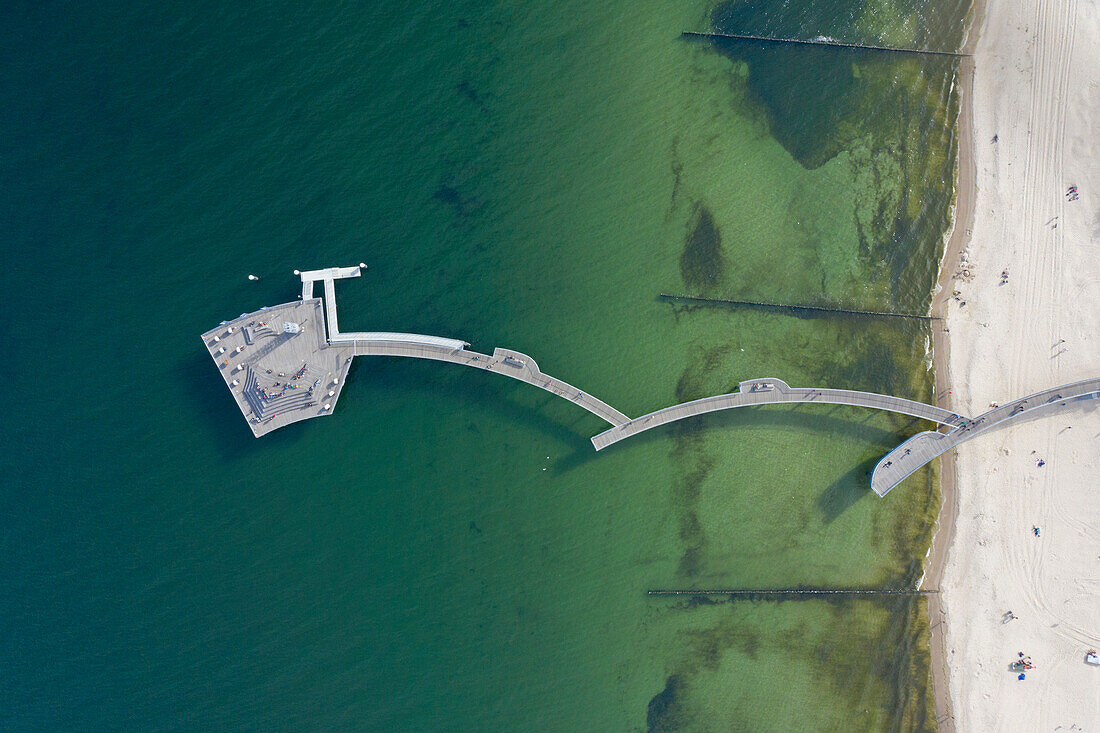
column 447, row 551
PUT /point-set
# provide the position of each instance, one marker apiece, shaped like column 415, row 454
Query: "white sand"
column 1037, row 88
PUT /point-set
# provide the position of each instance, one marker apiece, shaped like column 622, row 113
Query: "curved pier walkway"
column 418, row 346
column 503, row 361
column 772, row 391
column 902, row 461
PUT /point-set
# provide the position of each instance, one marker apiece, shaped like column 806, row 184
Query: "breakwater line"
column 821, row 42
column 793, row 308
column 791, row 592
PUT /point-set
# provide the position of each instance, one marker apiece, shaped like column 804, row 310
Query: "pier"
column 509, row 363
column 289, row 362
column 282, row 364
column 924, row 447
column 821, row 42
column 771, row 391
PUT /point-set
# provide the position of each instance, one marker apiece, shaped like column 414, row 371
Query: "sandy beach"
column 1021, row 294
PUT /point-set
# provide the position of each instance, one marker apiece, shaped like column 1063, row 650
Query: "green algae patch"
column 703, row 263
column 741, row 665
column 842, row 200
column 890, row 114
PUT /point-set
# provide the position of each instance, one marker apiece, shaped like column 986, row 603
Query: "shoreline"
column 958, row 240
column 1025, row 143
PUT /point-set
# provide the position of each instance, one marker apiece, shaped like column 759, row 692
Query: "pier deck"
column 902, row 461
column 503, row 361
column 770, row 391
column 330, row 309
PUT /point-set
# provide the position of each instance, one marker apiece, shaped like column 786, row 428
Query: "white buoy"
column 297, row 272
column 253, row 277
column 363, row 265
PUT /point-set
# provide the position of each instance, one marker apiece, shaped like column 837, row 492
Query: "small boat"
column 510, row 361
column 1091, row 657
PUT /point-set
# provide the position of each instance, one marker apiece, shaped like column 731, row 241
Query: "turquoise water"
column 447, row 552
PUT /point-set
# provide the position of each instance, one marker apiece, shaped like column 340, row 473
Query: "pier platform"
column 278, row 365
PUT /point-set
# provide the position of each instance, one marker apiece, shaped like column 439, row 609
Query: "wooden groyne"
column 792, row 592
column 822, row 42
column 792, row 308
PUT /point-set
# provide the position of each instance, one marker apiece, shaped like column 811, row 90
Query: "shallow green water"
column 447, row 552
